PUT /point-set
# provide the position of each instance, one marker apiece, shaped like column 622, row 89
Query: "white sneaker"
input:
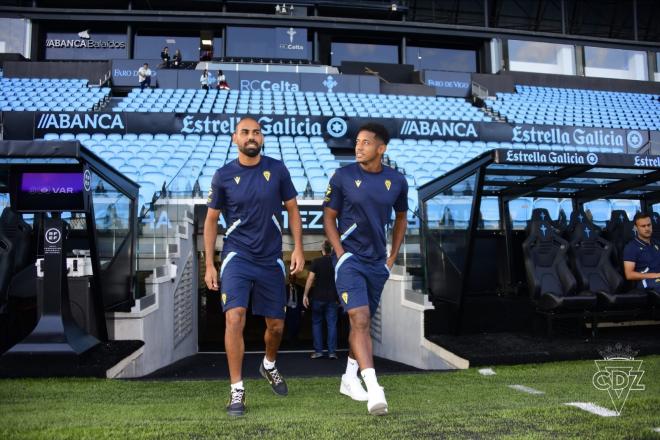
column 352, row 387
column 377, row 405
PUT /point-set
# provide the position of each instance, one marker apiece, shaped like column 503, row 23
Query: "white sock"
column 369, row 377
column 351, row 367
column 237, row 386
column 268, row 365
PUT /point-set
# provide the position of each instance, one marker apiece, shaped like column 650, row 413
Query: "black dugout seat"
column 655, row 221
column 542, row 215
column 618, row 231
column 19, row 233
column 591, row 258
column 551, row 284
column 6, row 270
column 562, row 221
column 579, row 217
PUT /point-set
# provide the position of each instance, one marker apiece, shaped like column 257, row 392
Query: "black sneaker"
column 275, row 380
column 236, row 404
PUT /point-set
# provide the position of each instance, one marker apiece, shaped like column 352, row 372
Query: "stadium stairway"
column 163, row 317
column 402, row 307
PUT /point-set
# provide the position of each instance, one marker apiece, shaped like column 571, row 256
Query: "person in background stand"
column 165, row 57
column 176, row 60
column 204, row 79
column 144, row 76
column 221, row 81
column 324, row 302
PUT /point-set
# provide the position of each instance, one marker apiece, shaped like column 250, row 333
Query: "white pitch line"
column 594, row 409
column 487, row 372
column 525, row 389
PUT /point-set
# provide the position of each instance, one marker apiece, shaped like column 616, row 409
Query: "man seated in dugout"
column 641, row 256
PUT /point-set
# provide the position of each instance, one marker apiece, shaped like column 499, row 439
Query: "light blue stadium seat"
column 300, row 184
column 318, row 184
column 205, row 183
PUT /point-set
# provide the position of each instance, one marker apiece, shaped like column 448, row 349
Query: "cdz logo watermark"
column 618, row 374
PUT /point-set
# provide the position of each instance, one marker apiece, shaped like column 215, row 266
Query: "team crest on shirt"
column 237, row 179
column 267, row 175
column 344, row 296
column 327, row 194
column 388, row 184
column 358, row 183
column 224, row 298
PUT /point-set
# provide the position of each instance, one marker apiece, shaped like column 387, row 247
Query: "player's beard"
column 251, row 149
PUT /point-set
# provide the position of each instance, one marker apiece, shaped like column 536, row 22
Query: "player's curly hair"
column 377, row 129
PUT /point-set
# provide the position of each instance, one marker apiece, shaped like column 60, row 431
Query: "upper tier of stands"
column 577, row 107
column 300, row 104
column 50, row 94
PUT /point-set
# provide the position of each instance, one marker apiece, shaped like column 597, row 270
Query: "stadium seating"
column 180, row 162
column 551, row 284
column 177, row 163
column 619, row 231
column 591, row 258
column 299, row 104
column 48, row 94
column 577, row 107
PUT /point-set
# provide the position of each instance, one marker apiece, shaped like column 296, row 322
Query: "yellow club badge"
column 358, row 183
column 224, row 298
column 210, row 197
column 267, row 175
column 388, row 184
column 344, row 296
column 237, row 179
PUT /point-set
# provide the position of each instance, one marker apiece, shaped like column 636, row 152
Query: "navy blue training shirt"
column 364, row 203
column 646, row 258
column 250, row 198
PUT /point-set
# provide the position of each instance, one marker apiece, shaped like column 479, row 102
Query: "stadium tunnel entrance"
column 517, row 240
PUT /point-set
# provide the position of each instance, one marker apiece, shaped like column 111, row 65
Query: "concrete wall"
column 165, row 319
column 398, row 328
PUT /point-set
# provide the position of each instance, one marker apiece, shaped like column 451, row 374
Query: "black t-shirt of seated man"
column 324, row 282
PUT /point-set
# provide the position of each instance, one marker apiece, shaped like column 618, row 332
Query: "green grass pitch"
column 461, row 404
